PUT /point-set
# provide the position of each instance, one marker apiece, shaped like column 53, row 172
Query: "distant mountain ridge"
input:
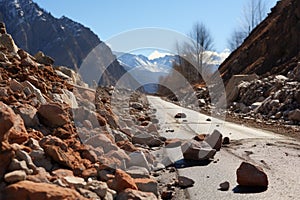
column 68, row 42
column 146, row 70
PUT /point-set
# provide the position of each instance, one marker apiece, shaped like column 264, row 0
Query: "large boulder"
column 147, row 185
column 251, row 175
column 294, row 115
column 52, row 115
column 12, row 127
column 194, row 150
column 24, row 190
column 214, row 140
column 122, row 181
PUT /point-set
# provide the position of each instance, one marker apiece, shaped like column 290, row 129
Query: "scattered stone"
column 75, row 181
column 193, row 150
column 250, row 175
column 226, row 141
column 185, row 182
column 137, row 105
column 147, row 185
column 15, row 176
column 224, row 186
column 180, row 115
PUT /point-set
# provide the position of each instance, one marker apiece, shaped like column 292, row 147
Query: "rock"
column 41, row 58
column 6, row 120
column 59, row 151
column 172, row 143
column 66, row 97
column 7, row 41
column 99, row 187
column 135, row 194
column 12, row 127
column 3, row 58
column 77, row 182
column 250, row 175
column 122, row 181
column 147, row 185
column 16, row 86
column 127, row 146
column 214, row 140
column 6, row 155
column 166, row 194
column 180, row 115
column 138, row 159
column 61, row 173
column 193, row 150
column 224, row 186
column 23, row 155
column 28, row 114
column 24, row 190
column 200, row 137
column 35, row 91
column 101, row 140
column 294, row 115
column 232, row 89
column 40, row 160
column 185, row 182
column 226, row 140
column 137, row 105
column 138, row 172
column 52, row 115
column 18, row 165
column 88, row 194
column 119, row 154
column 146, row 138
column 15, row 176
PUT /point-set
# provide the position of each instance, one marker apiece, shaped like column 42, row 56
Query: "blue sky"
column 111, row 17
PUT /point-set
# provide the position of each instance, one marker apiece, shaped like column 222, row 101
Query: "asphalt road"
column 278, row 155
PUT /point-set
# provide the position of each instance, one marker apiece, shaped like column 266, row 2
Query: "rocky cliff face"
column 68, row 42
column 272, row 48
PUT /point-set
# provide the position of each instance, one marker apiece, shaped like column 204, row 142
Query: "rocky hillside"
column 68, row 42
column 272, row 48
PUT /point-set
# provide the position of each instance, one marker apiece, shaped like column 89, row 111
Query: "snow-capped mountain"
column 146, row 70
column 161, row 64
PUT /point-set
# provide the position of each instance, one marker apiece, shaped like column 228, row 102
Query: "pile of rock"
column 274, row 98
column 61, row 140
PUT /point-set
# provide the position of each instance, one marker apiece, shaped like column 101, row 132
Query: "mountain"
column 272, row 48
column 68, row 42
column 146, row 70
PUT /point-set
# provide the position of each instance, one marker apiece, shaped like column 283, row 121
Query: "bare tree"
column 201, row 41
column 236, row 39
column 254, row 12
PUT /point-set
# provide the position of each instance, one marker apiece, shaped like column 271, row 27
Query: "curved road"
column 278, row 155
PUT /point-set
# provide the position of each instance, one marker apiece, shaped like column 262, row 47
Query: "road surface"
column 278, row 155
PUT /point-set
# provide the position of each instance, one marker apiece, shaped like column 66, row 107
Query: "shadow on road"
column 190, row 163
column 244, row 190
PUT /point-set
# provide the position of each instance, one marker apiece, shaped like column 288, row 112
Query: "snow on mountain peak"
column 157, row 54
